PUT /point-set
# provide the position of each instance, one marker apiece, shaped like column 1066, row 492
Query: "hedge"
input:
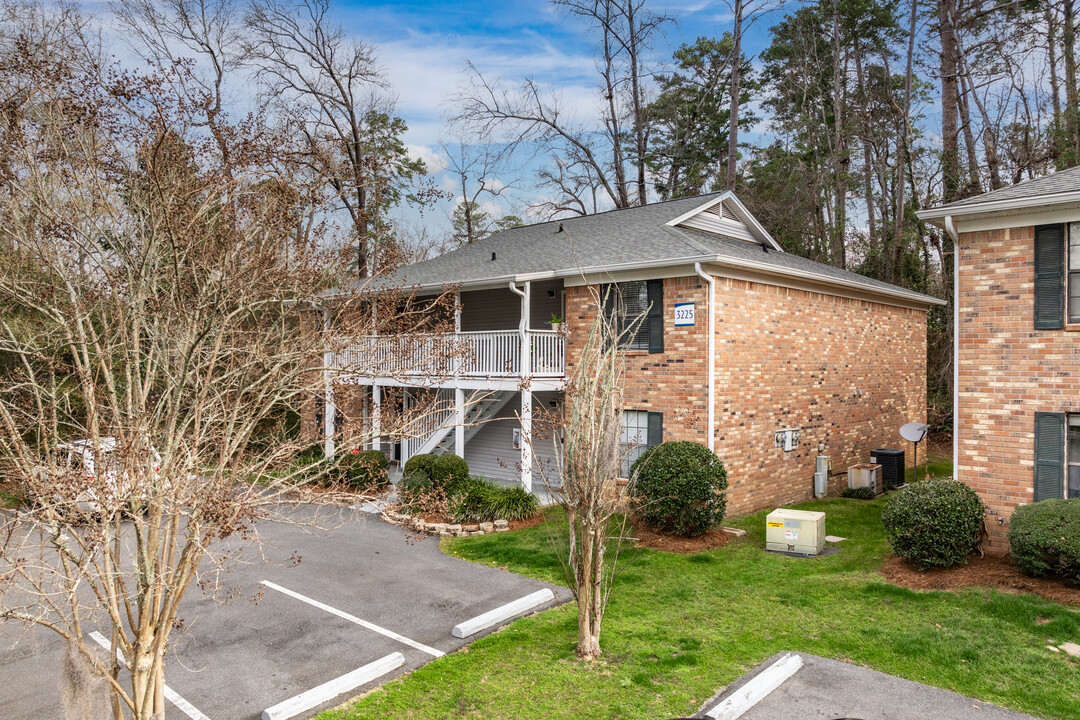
column 934, row 523
column 678, row 487
column 1044, row 539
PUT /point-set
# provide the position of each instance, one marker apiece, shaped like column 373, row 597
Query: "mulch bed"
column 991, row 571
column 656, row 540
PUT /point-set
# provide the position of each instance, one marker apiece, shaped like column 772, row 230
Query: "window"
column 1050, row 253
column 1057, row 456
column 1074, row 272
column 638, row 309
column 640, row 431
column 1072, row 473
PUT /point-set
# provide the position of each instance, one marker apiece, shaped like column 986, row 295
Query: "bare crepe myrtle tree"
column 590, row 458
column 154, row 351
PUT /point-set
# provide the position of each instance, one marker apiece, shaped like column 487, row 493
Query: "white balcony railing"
column 495, row 353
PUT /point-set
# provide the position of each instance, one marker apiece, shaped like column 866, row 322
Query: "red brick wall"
column 1008, row 372
column 785, row 358
column 792, row 358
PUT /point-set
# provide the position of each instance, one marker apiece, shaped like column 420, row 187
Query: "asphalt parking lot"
column 816, row 688
column 360, row 593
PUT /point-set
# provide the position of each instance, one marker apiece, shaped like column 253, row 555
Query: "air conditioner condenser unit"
column 866, row 475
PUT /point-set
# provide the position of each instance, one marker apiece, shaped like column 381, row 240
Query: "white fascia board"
column 767, row 269
column 1035, row 216
column 1031, row 203
column 739, row 210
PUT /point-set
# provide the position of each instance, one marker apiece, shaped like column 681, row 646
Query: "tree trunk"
column 736, row 77
column 1055, row 82
column 1071, row 151
column 950, row 136
column 903, row 158
column 840, row 160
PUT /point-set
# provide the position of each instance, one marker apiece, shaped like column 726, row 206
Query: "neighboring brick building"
column 1017, row 381
column 796, row 345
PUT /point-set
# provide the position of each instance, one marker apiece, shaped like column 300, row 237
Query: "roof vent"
column 493, row 256
column 560, row 229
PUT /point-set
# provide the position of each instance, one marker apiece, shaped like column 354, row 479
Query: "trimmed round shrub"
column 363, row 469
column 429, row 472
column 934, row 523
column 679, row 488
column 859, row 493
column 1044, row 538
column 418, row 473
column 450, row 472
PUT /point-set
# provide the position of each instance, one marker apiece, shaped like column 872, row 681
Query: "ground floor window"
column 1072, row 455
column 641, row 430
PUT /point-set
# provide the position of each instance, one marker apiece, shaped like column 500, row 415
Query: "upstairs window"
column 1074, row 272
column 637, row 307
column 1050, row 277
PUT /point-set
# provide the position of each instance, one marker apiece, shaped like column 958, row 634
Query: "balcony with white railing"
column 484, row 354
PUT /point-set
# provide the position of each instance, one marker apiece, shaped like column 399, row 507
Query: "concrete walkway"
column 825, row 689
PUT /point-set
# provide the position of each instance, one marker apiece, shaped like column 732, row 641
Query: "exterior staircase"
column 480, row 407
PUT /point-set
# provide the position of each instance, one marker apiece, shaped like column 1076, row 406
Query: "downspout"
column 711, row 358
column 950, row 228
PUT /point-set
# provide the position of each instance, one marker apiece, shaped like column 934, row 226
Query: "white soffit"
column 728, row 217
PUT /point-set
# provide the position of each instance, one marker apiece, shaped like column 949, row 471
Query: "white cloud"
column 434, row 159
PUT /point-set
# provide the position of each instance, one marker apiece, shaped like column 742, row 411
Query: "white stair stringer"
column 479, row 408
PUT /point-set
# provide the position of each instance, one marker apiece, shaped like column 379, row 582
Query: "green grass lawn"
column 679, row 628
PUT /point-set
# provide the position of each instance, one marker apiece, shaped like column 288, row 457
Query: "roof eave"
column 936, row 215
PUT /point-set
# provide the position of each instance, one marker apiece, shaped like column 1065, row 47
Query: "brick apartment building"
column 740, row 343
column 1017, row 347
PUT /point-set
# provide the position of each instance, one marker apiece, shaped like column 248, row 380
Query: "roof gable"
column 726, row 216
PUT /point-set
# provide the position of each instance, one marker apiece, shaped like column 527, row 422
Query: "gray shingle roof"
column 1063, row 181
column 637, row 235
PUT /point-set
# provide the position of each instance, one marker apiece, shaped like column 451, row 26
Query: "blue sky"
column 424, row 45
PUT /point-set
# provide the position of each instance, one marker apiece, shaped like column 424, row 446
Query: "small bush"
column 450, row 472
column 418, row 473
column 1044, row 538
column 679, row 488
column 362, row 469
column 424, row 473
column 859, row 493
column 480, row 500
column 934, row 523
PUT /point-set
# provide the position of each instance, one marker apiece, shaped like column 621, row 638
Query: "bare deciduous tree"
column 590, row 457
column 154, row 346
column 590, row 165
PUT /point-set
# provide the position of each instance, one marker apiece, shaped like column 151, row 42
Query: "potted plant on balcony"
column 556, row 322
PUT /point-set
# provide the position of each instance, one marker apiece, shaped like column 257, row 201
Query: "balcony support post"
column 328, row 390
column 376, row 417
column 459, row 422
column 526, row 439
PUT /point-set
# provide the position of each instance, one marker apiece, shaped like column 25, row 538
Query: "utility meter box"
column 797, row 531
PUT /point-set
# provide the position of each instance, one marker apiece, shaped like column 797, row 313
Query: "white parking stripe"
column 181, row 704
column 502, row 613
column 328, row 690
column 354, row 619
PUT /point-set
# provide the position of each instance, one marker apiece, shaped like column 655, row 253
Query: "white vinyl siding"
column 491, row 453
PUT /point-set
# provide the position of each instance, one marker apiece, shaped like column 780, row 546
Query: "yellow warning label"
column 776, row 524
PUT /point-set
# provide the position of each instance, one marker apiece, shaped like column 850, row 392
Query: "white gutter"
column 951, row 230
column 990, row 206
column 829, row 280
column 711, row 359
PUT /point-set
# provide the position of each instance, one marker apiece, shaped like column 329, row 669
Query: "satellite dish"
column 914, row 431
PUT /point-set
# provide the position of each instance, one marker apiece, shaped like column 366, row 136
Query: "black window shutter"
column 655, row 317
column 656, row 429
column 1049, row 455
column 1049, row 277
